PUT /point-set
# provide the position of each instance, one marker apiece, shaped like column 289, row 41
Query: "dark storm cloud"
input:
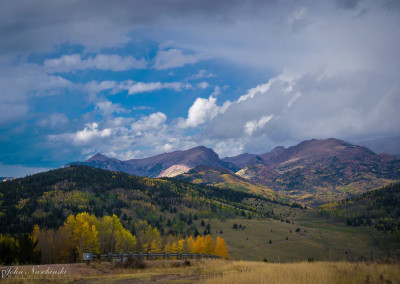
column 347, row 4
column 38, row 25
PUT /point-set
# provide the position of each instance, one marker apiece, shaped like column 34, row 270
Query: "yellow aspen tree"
column 174, row 247
column 151, row 235
column 167, row 248
column 190, row 244
column 155, row 246
column 209, row 247
column 68, row 250
column 221, row 249
column 82, row 232
column 146, row 247
column 107, row 233
column 126, row 242
column 180, row 245
column 199, row 245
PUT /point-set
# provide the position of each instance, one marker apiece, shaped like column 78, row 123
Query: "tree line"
column 86, row 233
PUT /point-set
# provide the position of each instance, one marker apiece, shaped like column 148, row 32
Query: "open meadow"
column 226, row 271
column 299, row 235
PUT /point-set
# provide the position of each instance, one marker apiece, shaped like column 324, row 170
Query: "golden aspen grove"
column 87, row 233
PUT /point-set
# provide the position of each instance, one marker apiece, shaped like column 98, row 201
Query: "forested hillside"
column 378, row 208
column 47, row 199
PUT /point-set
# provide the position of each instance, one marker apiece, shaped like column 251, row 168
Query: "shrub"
column 130, row 262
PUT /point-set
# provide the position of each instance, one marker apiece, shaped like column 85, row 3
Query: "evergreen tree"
column 27, row 252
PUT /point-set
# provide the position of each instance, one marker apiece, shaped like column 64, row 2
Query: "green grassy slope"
column 319, row 238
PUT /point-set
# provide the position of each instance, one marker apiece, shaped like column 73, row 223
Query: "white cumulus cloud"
column 89, row 133
column 201, row 111
column 153, row 121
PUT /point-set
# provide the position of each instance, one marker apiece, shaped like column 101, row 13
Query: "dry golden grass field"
column 225, row 271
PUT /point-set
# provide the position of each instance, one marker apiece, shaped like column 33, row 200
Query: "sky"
column 132, row 79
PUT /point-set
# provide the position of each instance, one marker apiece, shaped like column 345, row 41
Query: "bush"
column 186, row 262
column 130, row 262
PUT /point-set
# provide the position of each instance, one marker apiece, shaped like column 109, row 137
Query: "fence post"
column 110, row 257
column 150, row 256
column 141, row 256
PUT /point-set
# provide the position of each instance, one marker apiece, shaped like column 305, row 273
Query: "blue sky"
column 131, row 79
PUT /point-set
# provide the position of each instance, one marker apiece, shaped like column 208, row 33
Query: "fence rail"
column 149, row 256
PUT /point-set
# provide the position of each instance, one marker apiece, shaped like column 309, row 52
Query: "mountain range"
column 313, row 171
column 163, row 165
column 319, row 171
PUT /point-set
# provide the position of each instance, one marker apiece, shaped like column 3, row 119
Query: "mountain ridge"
column 312, row 172
column 319, row 171
column 162, row 165
column 222, row 178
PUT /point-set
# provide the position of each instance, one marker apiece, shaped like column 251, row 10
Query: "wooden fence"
column 111, row 257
